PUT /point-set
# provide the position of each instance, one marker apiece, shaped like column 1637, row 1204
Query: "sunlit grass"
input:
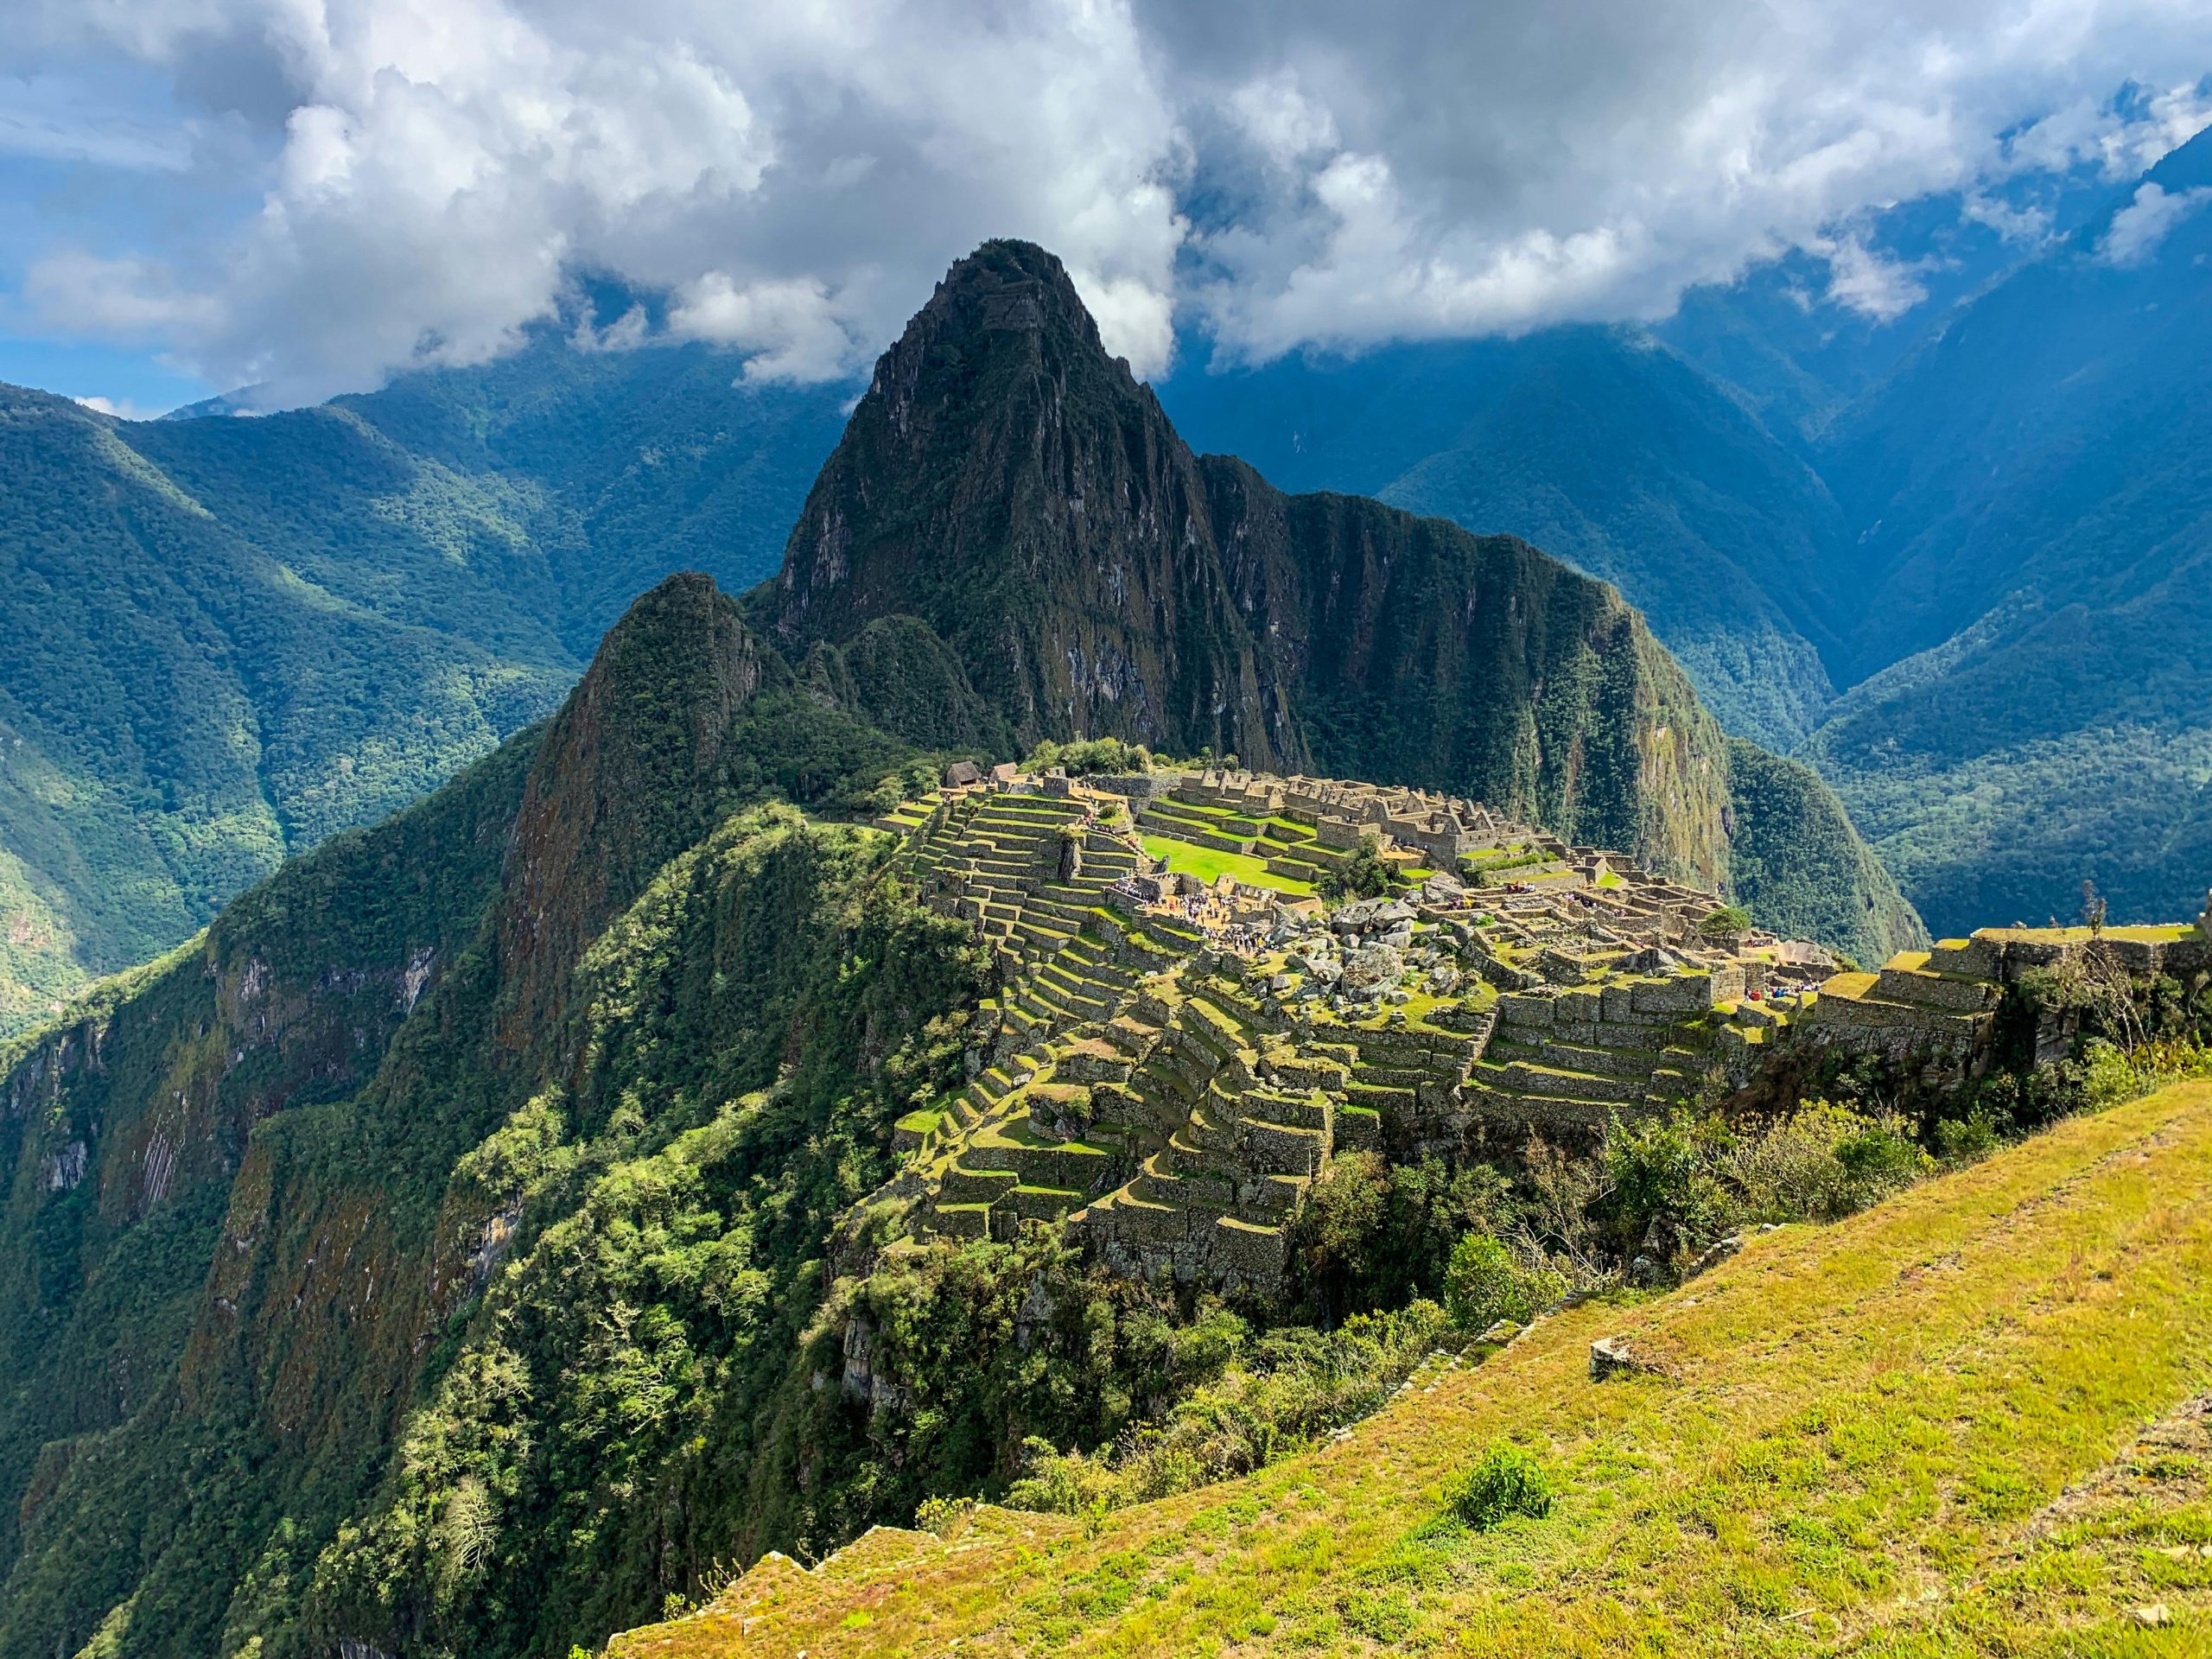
column 1210, row 864
column 1855, row 1447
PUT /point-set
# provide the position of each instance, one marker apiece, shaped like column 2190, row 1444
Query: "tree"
column 1363, row 875
column 2093, row 909
column 1725, row 923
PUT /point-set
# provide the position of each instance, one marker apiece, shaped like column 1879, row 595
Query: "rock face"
column 1011, row 485
column 1612, row 1356
column 1019, row 491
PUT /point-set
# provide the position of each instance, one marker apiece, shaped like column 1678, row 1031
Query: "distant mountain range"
column 229, row 638
column 1956, row 561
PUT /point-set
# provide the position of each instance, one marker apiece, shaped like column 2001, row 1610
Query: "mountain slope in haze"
column 191, row 689
column 1954, row 559
column 1600, row 446
column 230, row 638
column 1021, row 494
column 2038, row 563
column 624, row 465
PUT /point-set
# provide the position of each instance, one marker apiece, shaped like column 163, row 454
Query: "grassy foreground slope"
column 1968, row 1420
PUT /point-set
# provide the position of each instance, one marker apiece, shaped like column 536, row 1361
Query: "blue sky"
column 201, row 194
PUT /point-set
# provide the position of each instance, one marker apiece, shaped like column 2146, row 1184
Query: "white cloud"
column 1862, row 279
column 427, row 177
column 436, row 171
column 1278, row 117
column 790, row 328
column 2028, row 224
column 1503, row 167
column 2137, row 228
column 121, row 408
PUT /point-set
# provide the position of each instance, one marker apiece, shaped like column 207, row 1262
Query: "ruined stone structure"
column 1172, row 1062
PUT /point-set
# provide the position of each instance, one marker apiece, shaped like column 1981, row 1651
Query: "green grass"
column 1210, row 864
column 1855, row 1439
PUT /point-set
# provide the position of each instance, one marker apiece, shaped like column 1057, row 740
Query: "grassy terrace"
column 1209, row 865
column 1915, row 1433
column 2158, row 934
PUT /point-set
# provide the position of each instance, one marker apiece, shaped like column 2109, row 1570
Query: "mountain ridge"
column 232, row 638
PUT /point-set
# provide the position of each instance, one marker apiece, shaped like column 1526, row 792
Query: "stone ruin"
column 1173, row 1062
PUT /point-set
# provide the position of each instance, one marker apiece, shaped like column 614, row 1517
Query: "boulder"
column 1374, row 967
column 1612, row 1356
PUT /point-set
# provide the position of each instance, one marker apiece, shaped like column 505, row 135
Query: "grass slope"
column 1920, row 1430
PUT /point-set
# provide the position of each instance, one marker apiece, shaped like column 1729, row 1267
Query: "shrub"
column 1485, row 1284
column 2109, row 1079
column 1507, row 1482
column 1878, row 1157
column 1088, row 755
column 1373, row 1234
column 1296, row 1386
column 1964, row 1140
column 1821, row 1163
column 1662, row 1176
column 945, row 1516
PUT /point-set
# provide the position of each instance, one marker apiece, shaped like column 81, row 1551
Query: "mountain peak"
column 1007, row 287
column 625, row 778
column 1016, row 489
column 1013, row 487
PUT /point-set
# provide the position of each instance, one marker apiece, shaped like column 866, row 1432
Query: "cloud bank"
column 416, row 181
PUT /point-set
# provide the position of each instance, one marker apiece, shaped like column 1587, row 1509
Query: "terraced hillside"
column 1186, row 1039
column 1971, row 1420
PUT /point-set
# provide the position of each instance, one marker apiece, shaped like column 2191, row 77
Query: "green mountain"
column 2035, row 708
column 230, row 638
column 1020, row 493
column 1953, row 561
column 1601, row 446
column 259, row 1181
column 235, row 637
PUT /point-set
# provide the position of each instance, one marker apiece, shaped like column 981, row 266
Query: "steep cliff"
column 1018, row 490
